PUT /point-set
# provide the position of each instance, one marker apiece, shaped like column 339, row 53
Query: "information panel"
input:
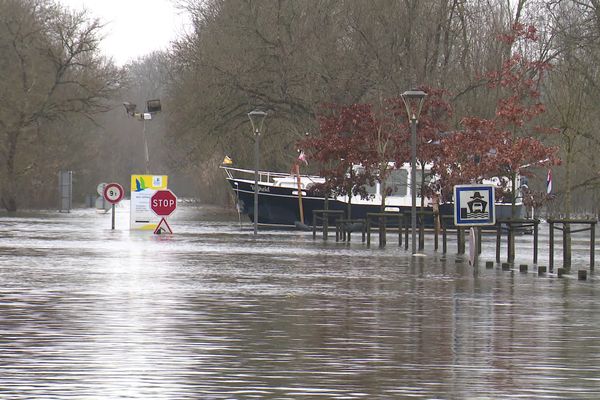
column 142, row 188
column 474, row 205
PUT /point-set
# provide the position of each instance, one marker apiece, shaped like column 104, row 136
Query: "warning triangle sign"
column 162, row 227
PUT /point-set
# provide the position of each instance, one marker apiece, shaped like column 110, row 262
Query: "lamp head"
column 413, row 101
column 129, row 107
column 257, row 119
column 153, row 106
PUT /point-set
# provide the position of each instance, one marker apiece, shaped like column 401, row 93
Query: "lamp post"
column 152, row 107
column 413, row 100
column 257, row 118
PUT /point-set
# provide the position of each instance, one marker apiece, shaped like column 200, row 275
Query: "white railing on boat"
column 263, row 176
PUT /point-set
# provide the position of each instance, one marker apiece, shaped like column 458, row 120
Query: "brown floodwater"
column 213, row 312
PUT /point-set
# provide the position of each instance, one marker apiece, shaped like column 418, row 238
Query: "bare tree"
column 50, row 70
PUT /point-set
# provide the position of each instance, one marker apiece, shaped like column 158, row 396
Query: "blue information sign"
column 474, row 205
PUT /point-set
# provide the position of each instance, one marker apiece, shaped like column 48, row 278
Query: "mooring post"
column 400, row 225
column 382, row 231
column 592, row 245
column 421, row 231
column 536, row 223
column 567, row 245
column 461, row 241
column 510, row 256
column 368, row 231
column 498, row 240
column 444, row 240
column 406, row 237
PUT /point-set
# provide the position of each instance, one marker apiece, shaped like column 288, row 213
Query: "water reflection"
column 212, row 313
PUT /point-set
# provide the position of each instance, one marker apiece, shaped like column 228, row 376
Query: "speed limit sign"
column 113, row 193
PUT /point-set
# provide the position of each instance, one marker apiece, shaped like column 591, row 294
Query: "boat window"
column 397, row 182
column 372, row 190
column 428, row 178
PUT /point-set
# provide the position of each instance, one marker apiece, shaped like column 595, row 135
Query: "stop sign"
column 163, row 202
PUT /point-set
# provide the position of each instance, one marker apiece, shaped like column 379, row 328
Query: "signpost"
column 113, row 193
column 163, row 203
column 143, row 188
column 474, row 206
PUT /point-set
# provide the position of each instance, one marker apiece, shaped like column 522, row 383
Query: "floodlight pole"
column 146, row 147
column 152, row 107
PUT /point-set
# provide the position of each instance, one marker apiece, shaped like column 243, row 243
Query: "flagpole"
column 299, row 194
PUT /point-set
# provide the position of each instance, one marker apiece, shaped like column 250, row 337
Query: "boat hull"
column 281, row 206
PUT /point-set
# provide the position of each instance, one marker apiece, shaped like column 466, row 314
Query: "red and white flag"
column 549, row 182
column 302, row 157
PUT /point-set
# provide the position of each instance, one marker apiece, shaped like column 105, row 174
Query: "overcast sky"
column 134, row 27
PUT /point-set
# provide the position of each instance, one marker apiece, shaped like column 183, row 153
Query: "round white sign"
column 113, row 193
column 100, row 188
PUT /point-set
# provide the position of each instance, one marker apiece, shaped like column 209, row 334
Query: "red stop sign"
column 163, row 202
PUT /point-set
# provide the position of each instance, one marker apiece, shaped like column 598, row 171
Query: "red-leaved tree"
column 364, row 135
column 504, row 146
column 376, row 138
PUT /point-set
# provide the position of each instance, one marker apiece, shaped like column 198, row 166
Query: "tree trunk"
column 9, row 193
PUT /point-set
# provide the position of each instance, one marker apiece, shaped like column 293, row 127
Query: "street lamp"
column 257, row 118
column 413, row 100
column 152, row 107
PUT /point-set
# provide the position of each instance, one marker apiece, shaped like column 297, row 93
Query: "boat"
column 289, row 199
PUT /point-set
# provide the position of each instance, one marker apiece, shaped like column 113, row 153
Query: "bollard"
column 489, row 264
column 582, row 274
column 560, row 272
column 505, row 267
column 523, row 268
column 542, row 270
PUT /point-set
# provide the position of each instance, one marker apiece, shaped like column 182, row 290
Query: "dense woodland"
column 61, row 101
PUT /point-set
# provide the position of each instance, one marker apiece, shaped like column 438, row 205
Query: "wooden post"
column 592, row 245
column 551, row 246
column 444, row 240
column 535, row 240
column 368, row 231
column 299, row 194
column 382, row 231
column 406, row 237
column 567, row 245
column 400, row 225
column 511, row 243
column 498, row 240
column 436, row 220
column 421, row 231
column 462, row 244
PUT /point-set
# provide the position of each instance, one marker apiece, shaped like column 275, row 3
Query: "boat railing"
column 248, row 174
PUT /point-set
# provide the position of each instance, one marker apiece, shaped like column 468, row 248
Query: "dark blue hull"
column 280, row 206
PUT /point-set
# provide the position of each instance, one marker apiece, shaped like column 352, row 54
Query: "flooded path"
column 214, row 313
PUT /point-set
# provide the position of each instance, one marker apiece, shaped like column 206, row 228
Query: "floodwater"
column 213, row 312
